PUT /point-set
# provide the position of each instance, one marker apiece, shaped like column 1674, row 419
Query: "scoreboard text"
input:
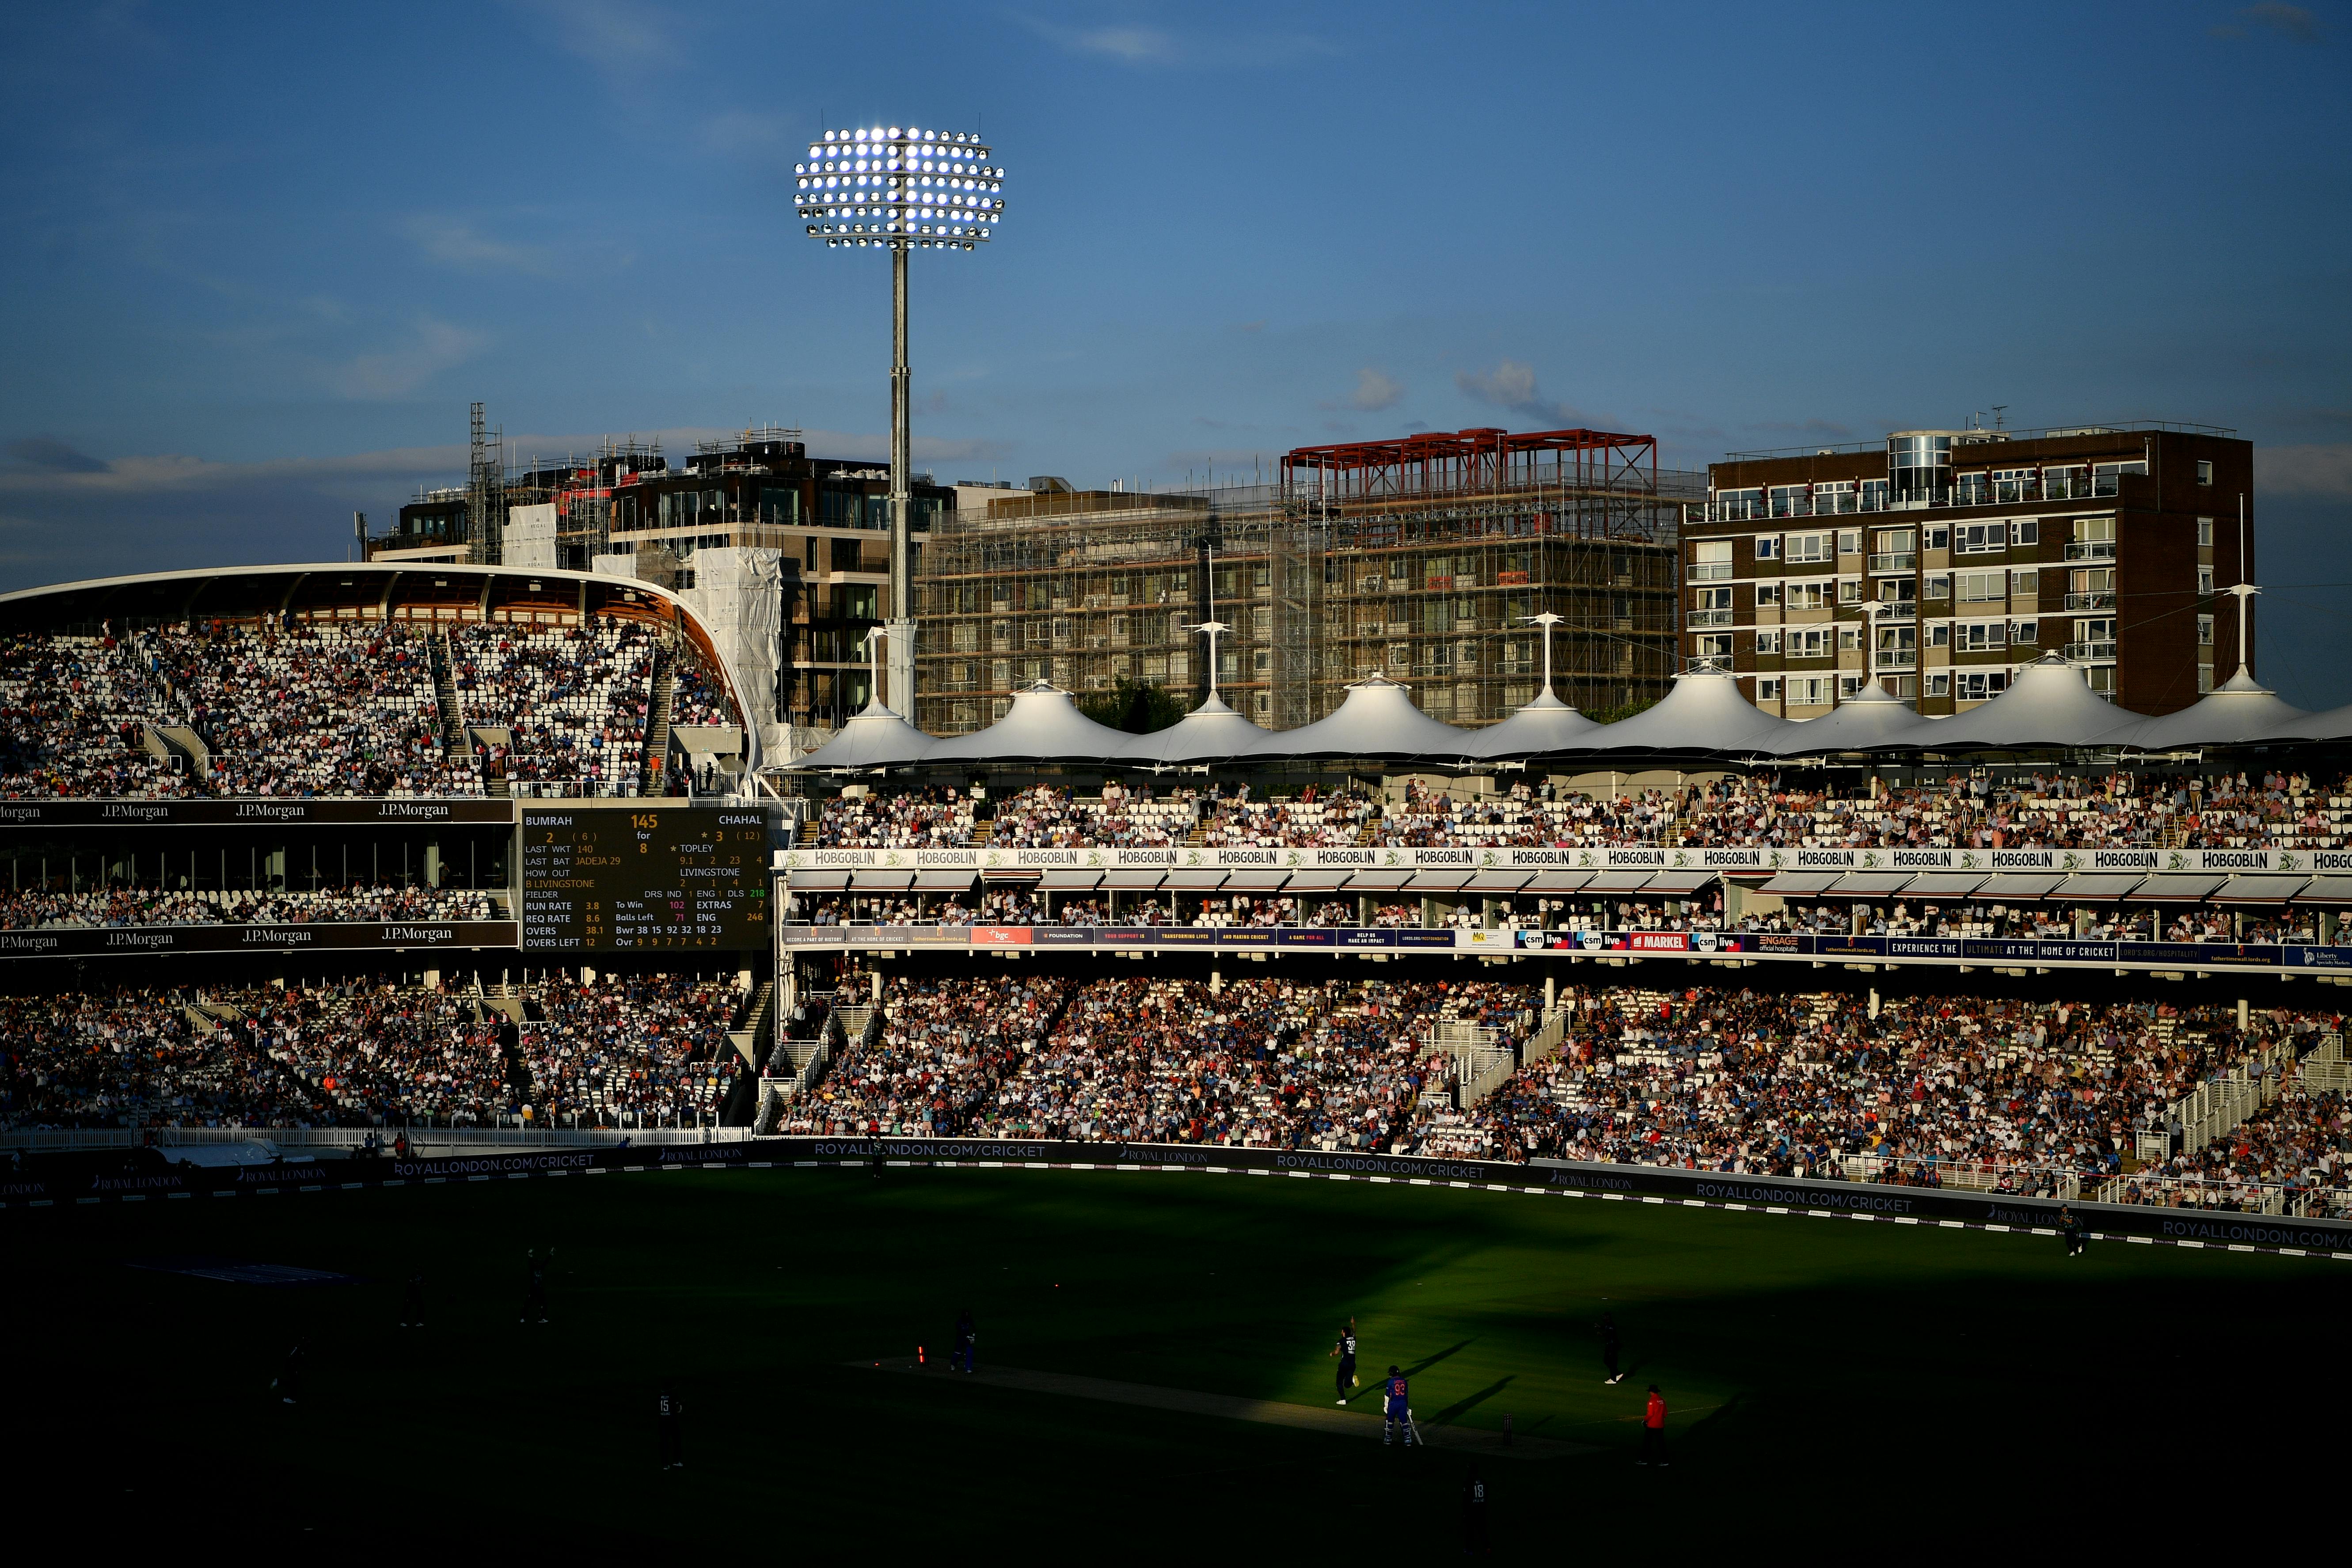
column 652, row 879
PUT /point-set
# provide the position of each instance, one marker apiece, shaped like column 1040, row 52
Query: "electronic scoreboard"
column 653, row 878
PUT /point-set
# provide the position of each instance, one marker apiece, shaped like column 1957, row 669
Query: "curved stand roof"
column 1209, row 733
column 2048, row 705
column 1870, row 718
column 1546, row 725
column 1377, row 719
column 1043, row 726
column 875, row 738
column 2240, row 709
column 1705, row 712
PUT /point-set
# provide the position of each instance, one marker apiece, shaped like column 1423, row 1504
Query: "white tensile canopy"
column 1377, row 719
column 1546, row 725
column 875, row 738
column 2240, row 709
column 1705, row 712
column 1870, row 718
column 2047, row 704
column 1043, row 726
column 1209, row 733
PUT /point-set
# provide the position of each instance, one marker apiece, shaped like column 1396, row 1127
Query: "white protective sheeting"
column 2240, row 709
column 1043, row 726
column 738, row 597
column 2049, row 704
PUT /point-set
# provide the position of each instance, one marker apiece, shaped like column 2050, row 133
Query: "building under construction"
column 1418, row 558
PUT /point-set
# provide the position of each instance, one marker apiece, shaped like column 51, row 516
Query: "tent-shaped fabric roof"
column 2238, row 709
column 2328, row 724
column 1044, row 726
column 1209, row 733
column 1546, row 725
column 1377, row 719
column 1870, row 718
column 1704, row 712
column 2047, row 704
column 875, row 738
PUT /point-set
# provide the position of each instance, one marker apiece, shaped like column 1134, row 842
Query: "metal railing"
column 2090, row 601
column 1895, row 561
column 2091, row 549
column 1711, row 617
column 2079, row 650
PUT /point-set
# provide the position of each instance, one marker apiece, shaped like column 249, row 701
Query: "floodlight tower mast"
column 902, row 190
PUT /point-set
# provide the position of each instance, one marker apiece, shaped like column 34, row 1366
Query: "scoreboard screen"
column 655, row 878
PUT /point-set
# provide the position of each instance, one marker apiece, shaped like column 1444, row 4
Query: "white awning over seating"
column 1377, row 719
column 2240, row 709
column 1870, row 718
column 2047, row 704
column 1209, row 733
column 1043, row 726
column 1542, row 726
column 877, row 738
column 1705, row 712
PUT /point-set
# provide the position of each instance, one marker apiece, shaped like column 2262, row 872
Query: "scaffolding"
column 1419, row 559
column 485, row 493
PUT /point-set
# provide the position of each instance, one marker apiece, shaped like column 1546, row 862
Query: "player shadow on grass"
column 1426, row 1363
column 1471, row 1402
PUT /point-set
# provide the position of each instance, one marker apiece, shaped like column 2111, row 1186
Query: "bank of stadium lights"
column 902, row 189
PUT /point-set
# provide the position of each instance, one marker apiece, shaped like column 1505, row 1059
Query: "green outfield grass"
column 1825, row 1375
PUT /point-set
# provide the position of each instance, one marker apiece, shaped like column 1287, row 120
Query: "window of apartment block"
column 1849, row 590
column 1792, row 501
column 1807, row 642
column 1939, row 686
column 2204, row 471
column 1902, row 590
column 1768, row 595
column 2205, row 631
column 1978, row 636
column 2027, row 633
column 2016, row 485
column 2025, row 531
column 1874, row 495
column 1849, row 542
column 1940, row 587
column 1767, row 547
column 1982, row 587
column 2204, row 678
column 1739, row 506
column 1807, row 549
column 1833, row 499
column 2025, row 584
column 1769, row 642
column 1710, row 560
column 1714, row 644
column 1849, row 639
column 1810, row 691
column 1817, row 596
column 1972, row 490
column 1976, row 538
column 1768, row 689
column 1848, row 685
column 1981, row 685
column 2205, row 534
column 1938, row 538
column 2204, row 581
column 1940, row 634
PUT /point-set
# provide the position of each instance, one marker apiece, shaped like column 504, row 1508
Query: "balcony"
column 1710, row 571
column 2091, row 549
column 2090, row 601
column 1896, row 658
column 1709, row 617
column 1895, row 561
column 2090, row 650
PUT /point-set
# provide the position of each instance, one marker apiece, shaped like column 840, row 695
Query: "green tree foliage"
column 1138, row 707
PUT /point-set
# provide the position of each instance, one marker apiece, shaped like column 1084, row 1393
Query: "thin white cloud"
column 1374, row 391
column 453, row 242
column 434, row 347
column 2313, row 470
column 1142, row 44
column 620, row 38
column 1511, row 384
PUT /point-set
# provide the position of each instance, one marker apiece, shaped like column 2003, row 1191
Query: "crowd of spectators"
column 697, row 696
column 1799, row 1084
column 314, row 709
column 1047, row 816
column 1314, row 819
column 621, row 1051
column 928, row 818
column 573, row 702
column 943, row 1048
column 74, row 715
column 29, row 909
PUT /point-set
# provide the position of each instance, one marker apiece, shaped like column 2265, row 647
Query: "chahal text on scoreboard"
column 660, row 878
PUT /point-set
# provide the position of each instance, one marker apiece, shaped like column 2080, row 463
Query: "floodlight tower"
column 900, row 190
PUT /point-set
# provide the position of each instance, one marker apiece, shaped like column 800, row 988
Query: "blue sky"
column 263, row 257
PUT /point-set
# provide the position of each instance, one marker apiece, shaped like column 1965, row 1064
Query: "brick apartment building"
column 1942, row 560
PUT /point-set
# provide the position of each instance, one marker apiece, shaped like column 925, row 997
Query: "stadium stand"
column 75, row 711
column 34, row 909
column 620, row 1051
column 573, row 702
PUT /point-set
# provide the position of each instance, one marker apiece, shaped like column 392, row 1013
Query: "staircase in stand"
column 656, row 761
column 453, row 738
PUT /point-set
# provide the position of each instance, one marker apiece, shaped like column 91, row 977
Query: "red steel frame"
column 1482, row 460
